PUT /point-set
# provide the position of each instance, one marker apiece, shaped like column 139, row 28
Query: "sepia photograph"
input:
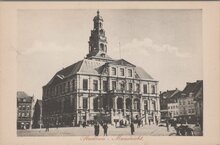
column 110, row 72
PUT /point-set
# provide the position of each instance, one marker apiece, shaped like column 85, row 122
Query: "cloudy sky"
column 166, row 43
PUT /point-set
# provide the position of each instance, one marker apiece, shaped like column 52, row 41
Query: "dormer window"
column 129, row 72
column 122, row 72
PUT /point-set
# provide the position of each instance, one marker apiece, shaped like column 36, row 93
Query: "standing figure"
column 57, row 124
column 105, row 128
column 84, row 124
column 96, row 127
column 132, row 128
column 167, row 125
column 47, row 126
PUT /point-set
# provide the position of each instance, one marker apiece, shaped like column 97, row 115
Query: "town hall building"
column 100, row 88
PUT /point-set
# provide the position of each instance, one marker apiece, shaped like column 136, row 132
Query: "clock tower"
column 98, row 40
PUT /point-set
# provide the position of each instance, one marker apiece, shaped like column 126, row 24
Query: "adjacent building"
column 24, row 110
column 100, row 88
column 190, row 102
column 37, row 115
column 169, row 103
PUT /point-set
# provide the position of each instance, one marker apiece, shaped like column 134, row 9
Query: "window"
column 68, row 87
column 23, row 107
column 60, row 91
column 129, row 73
column 85, row 84
column 145, row 89
column 22, row 115
column 85, row 103
column 19, row 114
column 95, row 85
column 188, row 102
column 192, row 110
column 122, row 72
column 153, row 89
column 19, row 107
column 24, row 100
column 27, row 115
column 137, row 87
column 113, row 85
column 102, row 46
column 122, row 86
column 113, row 71
column 189, row 111
column 73, row 85
column 145, row 105
column 57, row 90
column 64, row 87
column 28, row 107
column 130, row 86
column 105, row 86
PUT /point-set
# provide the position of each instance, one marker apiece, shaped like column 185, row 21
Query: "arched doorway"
column 119, row 103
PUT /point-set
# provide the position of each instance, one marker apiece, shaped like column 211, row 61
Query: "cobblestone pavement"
column 151, row 130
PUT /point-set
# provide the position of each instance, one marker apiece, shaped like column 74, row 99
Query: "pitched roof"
column 95, row 67
column 168, row 94
column 91, row 67
column 122, row 62
column 193, row 87
column 65, row 72
column 22, row 94
column 141, row 73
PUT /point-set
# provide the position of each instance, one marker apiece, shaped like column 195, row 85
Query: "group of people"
column 104, row 126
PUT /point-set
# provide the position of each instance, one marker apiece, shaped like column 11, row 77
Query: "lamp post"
column 80, row 115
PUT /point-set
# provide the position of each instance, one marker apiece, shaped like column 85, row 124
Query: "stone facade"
column 24, row 110
column 100, row 88
column 188, row 104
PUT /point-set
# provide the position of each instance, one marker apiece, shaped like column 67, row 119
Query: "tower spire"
column 97, row 40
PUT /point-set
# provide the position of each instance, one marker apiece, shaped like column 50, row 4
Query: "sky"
column 166, row 43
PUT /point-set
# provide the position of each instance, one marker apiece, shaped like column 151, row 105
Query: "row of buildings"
column 184, row 105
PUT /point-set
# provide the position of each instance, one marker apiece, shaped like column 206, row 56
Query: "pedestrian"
column 167, row 125
column 84, row 124
column 96, row 127
column 105, row 128
column 132, row 128
column 47, row 126
column 138, row 124
column 57, row 124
